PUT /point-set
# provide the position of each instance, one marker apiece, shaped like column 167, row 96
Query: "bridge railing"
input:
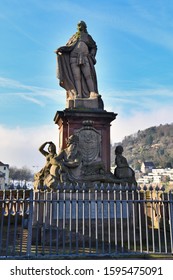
column 76, row 220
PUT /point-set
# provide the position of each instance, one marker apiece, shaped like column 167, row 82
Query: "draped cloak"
column 64, row 72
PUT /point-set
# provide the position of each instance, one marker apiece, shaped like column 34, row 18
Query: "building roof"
column 2, row 164
column 148, row 163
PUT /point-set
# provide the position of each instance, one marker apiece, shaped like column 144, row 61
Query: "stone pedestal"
column 72, row 121
column 94, row 102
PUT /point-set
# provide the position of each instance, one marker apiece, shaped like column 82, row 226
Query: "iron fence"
column 77, row 221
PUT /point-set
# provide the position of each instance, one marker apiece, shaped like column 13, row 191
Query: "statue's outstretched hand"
column 58, row 51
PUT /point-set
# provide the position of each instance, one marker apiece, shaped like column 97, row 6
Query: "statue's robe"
column 64, row 72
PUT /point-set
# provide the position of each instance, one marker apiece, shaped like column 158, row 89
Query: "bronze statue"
column 75, row 64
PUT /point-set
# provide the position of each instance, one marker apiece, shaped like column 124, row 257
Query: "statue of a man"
column 75, row 64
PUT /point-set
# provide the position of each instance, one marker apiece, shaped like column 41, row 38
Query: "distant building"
column 156, row 176
column 147, row 166
column 4, row 175
column 2, row 180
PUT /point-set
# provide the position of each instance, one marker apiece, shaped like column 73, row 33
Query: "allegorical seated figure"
column 123, row 171
column 66, row 163
column 40, row 177
column 60, row 167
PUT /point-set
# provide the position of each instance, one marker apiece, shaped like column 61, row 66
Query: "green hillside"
column 152, row 144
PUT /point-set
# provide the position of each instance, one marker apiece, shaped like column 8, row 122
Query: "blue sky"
column 134, row 67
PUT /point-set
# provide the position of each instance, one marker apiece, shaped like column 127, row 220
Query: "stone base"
column 86, row 103
column 71, row 121
column 94, row 102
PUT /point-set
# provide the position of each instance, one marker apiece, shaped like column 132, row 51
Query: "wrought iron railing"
column 79, row 221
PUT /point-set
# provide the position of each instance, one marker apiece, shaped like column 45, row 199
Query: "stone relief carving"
column 89, row 142
column 90, row 148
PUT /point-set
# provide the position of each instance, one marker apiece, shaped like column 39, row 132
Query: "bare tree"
column 20, row 174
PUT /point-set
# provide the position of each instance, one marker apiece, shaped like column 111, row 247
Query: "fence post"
column 30, row 218
column 171, row 218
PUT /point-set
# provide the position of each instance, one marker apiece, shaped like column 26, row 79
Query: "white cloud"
column 124, row 125
column 19, row 146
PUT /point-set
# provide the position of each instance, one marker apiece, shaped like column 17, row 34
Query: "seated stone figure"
column 123, row 171
column 66, row 163
column 40, row 177
column 60, row 167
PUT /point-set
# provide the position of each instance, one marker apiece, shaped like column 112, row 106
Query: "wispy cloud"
column 5, row 82
column 141, row 99
column 140, row 93
column 137, row 92
column 29, row 92
column 33, row 100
